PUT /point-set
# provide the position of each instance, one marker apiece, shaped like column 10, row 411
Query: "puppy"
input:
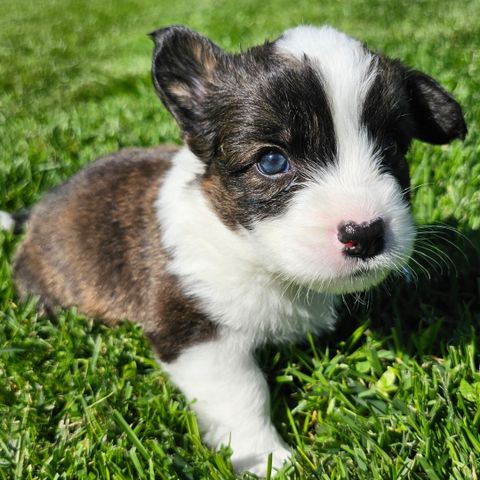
column 292, row 188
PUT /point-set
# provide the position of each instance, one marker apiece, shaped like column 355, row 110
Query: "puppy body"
column 291, row 189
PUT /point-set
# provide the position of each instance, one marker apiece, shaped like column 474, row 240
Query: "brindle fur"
column 95, row 243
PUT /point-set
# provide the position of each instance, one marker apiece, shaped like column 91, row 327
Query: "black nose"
column 364, row 240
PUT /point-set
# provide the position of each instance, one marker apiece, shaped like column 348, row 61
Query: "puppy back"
column 95, row 242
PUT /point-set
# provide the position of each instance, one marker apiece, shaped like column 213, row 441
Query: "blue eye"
column 272, row 163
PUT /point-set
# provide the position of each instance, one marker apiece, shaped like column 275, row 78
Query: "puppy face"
column 303, row 142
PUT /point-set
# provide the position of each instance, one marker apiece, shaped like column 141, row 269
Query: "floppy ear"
column 183, row 70
column 437, row 116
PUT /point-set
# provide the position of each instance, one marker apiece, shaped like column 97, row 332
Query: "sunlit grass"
column 395, row 393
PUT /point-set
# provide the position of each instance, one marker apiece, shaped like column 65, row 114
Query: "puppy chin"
column 356, row 282
column 342, row 275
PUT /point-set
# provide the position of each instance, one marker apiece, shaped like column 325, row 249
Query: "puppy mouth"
column 361, row 276
column 390, row 259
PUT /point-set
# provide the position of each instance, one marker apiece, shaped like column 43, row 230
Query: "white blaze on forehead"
column 347, row 71
column 303, row 241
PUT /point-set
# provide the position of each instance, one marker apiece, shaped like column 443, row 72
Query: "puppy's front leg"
column 231, row 400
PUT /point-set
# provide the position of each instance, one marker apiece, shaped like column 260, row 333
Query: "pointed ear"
column 437, row 116
column 183, row 69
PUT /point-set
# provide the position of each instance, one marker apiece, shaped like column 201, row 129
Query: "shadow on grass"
column 437, row 307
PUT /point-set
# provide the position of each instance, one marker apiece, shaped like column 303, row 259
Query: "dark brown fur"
column 234, row 108
column 95, row 243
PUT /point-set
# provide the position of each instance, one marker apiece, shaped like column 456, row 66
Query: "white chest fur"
column 221, row 267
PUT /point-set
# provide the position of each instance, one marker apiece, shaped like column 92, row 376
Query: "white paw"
column 257, row 463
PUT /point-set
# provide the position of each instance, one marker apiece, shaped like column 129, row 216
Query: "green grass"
column 395, row 393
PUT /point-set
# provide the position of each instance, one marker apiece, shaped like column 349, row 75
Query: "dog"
column 292, row 188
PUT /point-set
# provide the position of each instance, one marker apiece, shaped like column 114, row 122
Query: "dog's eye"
column 273, row 163
column 389, row 145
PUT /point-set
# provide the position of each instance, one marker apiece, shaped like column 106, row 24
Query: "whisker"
column 345, row 303
column 446, row 228
column 401, row 270
column 427, row 242
column 441, row 238
column 436, row 256
column 433, row 260
column 416, row 187
column 421, row 267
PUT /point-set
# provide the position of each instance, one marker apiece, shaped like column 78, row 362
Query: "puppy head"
column 303, row 142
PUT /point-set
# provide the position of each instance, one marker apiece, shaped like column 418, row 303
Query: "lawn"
column 393, row 394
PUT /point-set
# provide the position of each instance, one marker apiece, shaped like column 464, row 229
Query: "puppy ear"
column 183, row 70
column 438, row 117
